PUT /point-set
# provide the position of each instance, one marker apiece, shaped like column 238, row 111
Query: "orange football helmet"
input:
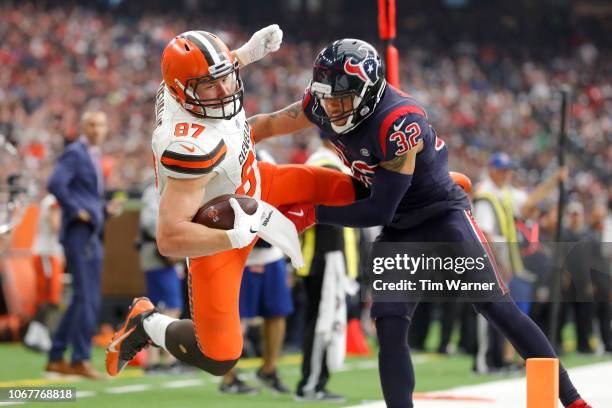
column 194, row 58
column 461, row 179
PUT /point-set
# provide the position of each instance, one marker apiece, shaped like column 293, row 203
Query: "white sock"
column 36, row 334
column 31, row 337
column 155, row 326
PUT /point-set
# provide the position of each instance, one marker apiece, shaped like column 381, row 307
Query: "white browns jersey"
column 186, row 146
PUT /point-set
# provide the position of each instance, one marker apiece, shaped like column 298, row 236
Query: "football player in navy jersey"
column 384, row 137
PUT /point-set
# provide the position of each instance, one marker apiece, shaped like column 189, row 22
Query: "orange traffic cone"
column 356, row 343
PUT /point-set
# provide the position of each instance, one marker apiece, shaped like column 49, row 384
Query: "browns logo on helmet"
column 201, row 73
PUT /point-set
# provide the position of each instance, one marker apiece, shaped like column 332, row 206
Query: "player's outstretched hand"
column 245, row 226
column 264, row 41
column 302, row 215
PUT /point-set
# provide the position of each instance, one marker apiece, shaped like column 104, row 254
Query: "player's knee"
column 392, row 331
column 216, row 367
column 486, row 308
column 220, row 352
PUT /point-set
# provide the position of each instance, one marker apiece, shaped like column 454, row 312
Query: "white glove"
column 279, row 231
column 245, row 226
column 266, row 40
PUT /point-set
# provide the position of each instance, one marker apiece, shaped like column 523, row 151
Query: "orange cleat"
column 131, row 337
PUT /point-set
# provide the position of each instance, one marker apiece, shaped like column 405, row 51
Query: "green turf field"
column 358, row 381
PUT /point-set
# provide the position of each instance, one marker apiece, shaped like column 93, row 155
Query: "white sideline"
column 129, row 388
column 592, row 381
column 191, row 382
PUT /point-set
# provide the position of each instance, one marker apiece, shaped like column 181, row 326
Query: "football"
column 218, row 213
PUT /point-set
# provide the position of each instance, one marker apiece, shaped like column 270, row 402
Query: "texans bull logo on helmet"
column 367, row 69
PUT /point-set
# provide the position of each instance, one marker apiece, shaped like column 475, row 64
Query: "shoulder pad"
column 187, row 159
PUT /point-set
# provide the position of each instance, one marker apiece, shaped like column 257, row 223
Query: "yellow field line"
column 256, row 362
column 39, row 382
column 33, row 382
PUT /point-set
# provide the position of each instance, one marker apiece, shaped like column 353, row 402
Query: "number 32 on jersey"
column 407, row 138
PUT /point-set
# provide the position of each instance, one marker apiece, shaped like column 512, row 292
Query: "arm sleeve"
column 187, row 159
column 60, row 179
column 388, row 188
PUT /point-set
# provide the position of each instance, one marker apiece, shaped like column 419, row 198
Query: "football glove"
column 245, row 226
column 264, row 41
column 303, row 216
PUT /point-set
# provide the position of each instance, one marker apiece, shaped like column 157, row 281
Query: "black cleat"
column 238, row 387
column 272, row 382
column 322, row 396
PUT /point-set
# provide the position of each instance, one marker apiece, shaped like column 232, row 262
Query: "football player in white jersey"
column 203, row 147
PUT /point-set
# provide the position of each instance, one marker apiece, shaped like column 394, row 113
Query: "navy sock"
column 527, row 339
column 394, row 363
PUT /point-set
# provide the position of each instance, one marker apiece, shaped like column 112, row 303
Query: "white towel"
column 331, row 323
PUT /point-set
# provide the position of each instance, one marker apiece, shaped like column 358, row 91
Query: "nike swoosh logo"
column 253, row 232
column 119, row 339
column 190, row 149
column 396, row 128
column 297, row 214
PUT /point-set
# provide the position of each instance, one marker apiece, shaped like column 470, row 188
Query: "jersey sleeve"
column 401, row 130
column 184, row 158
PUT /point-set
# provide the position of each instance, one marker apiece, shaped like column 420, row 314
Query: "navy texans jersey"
column 395, row 126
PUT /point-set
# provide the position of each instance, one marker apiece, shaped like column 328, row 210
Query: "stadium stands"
column 481, row 98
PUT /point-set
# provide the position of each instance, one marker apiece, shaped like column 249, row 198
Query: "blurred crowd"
column 480, row 98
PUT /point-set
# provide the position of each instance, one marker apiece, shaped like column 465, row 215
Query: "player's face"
column 337, row 107
column 219, row 88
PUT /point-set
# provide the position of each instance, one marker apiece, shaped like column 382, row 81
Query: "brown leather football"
column 218, row 213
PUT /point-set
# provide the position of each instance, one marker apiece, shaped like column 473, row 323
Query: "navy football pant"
column 393, row 318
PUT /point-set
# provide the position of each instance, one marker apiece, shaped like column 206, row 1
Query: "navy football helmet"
column 348, row 80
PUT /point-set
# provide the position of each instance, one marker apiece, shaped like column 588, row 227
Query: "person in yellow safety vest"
column 331, row 258
column 496, row 206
